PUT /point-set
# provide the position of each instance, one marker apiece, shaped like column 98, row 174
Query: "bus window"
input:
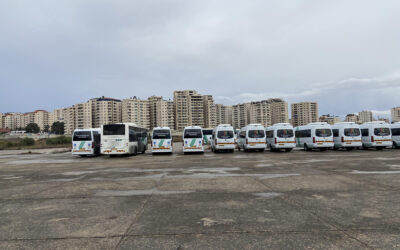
column 351, row 132
column 225, row 134
column 256, row 134
column 323, row 132
column 161, row 134
column 82, row 136
column 114, row 129
column 382, row 131
column 284, row 133
column 192, row 133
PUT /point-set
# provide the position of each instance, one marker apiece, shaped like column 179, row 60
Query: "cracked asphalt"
column 316, row 200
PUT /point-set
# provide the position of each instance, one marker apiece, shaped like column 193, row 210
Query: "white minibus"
column 123, row 138
column 223, row 138
column 86, row 141
column 280, row 136
column 161, row 140
column 252, row 137
column 314, row 135
column 193, row 139
column 376, row 134
column 346, row 135
column 395, row 129
column 207, row 134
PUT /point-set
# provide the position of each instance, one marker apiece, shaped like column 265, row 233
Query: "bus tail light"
column 92, row 145
column 202, row 142
column 247, row 141
column 372, row 139
column 342, row 138
column 313, row 139
column 276, row 141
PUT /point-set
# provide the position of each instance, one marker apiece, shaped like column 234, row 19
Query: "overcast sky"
column 343, row 54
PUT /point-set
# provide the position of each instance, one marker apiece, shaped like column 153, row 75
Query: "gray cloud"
column 343, row 54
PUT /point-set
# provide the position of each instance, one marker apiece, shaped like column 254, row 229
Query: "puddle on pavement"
column 375, row 172
column 153, row 191
column 264, row 165
column 268, row 195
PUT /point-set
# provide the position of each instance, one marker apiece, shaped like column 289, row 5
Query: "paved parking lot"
column 320, row 200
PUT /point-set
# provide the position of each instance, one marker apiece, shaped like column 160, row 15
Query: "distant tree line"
column 56, row 128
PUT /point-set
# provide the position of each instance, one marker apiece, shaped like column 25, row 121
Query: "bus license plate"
column 378, row 142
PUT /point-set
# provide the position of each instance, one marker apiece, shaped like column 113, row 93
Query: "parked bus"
column 280, row 136
column 376, row 134
column 193, row 139
column 161, row 140
column 346, row 135
column 223, row 138
column 123, row 138
column 207, row 134
column 252, row 138
column 315, row 135
column 395, row 129
column 86, row 142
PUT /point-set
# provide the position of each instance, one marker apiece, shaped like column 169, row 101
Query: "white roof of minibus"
column 395, row 125
column 225, row 126
column 345, row 124
column 158, row 128
column 280, row 125
column 87, row 129
column 192, row 127
column 374, row 123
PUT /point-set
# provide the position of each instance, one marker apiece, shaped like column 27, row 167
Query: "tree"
column 46, row 128
column 32, row 128
column 57, row 128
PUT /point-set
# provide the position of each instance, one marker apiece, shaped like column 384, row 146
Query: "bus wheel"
column 349, row 149
column 379, row 148
column 288, row 150
column 306, row 148
column 135, row 151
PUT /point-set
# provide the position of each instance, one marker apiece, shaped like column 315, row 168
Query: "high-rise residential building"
column 304, row 113
column 161, row 112
column 56, row 116
column 135, row 110
column 351, row 118
column 223, row 114
column 330, row 119
column 365, row 116
column 69, row 120
column 83, row 115
column 12, row 121
column 260, row 112
column 190, row 109
column 240, row 115
column 395, row 114
column 210, row 119
column 105, row 110
column 27, row 118
column 41, row 118
column 279, row 111
column 1, row 120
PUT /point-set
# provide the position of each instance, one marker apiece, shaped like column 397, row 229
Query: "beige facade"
column 223, row 114
column 193, row 109
column 1, row 120
column 161, row 112
column 395, row 114
column 136, row 111
column 105, row 111
column 365, row 116
column 351, row 118
column 69, row 120
column 240, row 115
column 260, row 112
column 27, row 118
column 83, row 115
column 279, row 111
column 304, row 113
column 329, row 119
column 41, row 118
column 56, row 116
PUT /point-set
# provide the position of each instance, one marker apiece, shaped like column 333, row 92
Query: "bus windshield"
column 192, row 133
column 225, row 134
column 114, row 129
column 207, row 131
column 285, row 133
column 256, row 134
column 352, row 132
column 323, row 132
column 82, row 136
column 382, row 131
column 161, row 134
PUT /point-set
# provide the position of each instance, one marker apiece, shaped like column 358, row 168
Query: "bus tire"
column 349, row 149
column 306, row 148
column 364, row 147
column 288, row 150
column 135, row 151
column 379, row 148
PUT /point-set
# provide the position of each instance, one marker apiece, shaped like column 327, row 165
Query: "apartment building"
column 240, row 115
column 223, row 114
column 27, row 118
column 41, row 118
column 351, row 118
column 1, row 120
column 210, row 116
column 135, row 110
column 395, row 114
column 304, row 113
column 69, row 120
column 83, row 115
column 161, row 112
column 279, row 111
column 105, row 110
column 193, row 109
column 365, row 116
column 56, row 116
column 330, row 119
column 260, row 112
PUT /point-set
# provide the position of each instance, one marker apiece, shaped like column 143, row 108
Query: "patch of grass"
column 59, row 140
column 27, row 142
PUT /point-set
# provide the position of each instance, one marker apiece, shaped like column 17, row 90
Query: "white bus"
column 280, row 136
column 193, row 139
column 314, row 135
column 252, row 137
column 346, row 135
column 86, row 141
column 207, row 135
column 376, row 134
column 123, row 138
column 223, row 138
column 161, row 140
column 395, row 129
